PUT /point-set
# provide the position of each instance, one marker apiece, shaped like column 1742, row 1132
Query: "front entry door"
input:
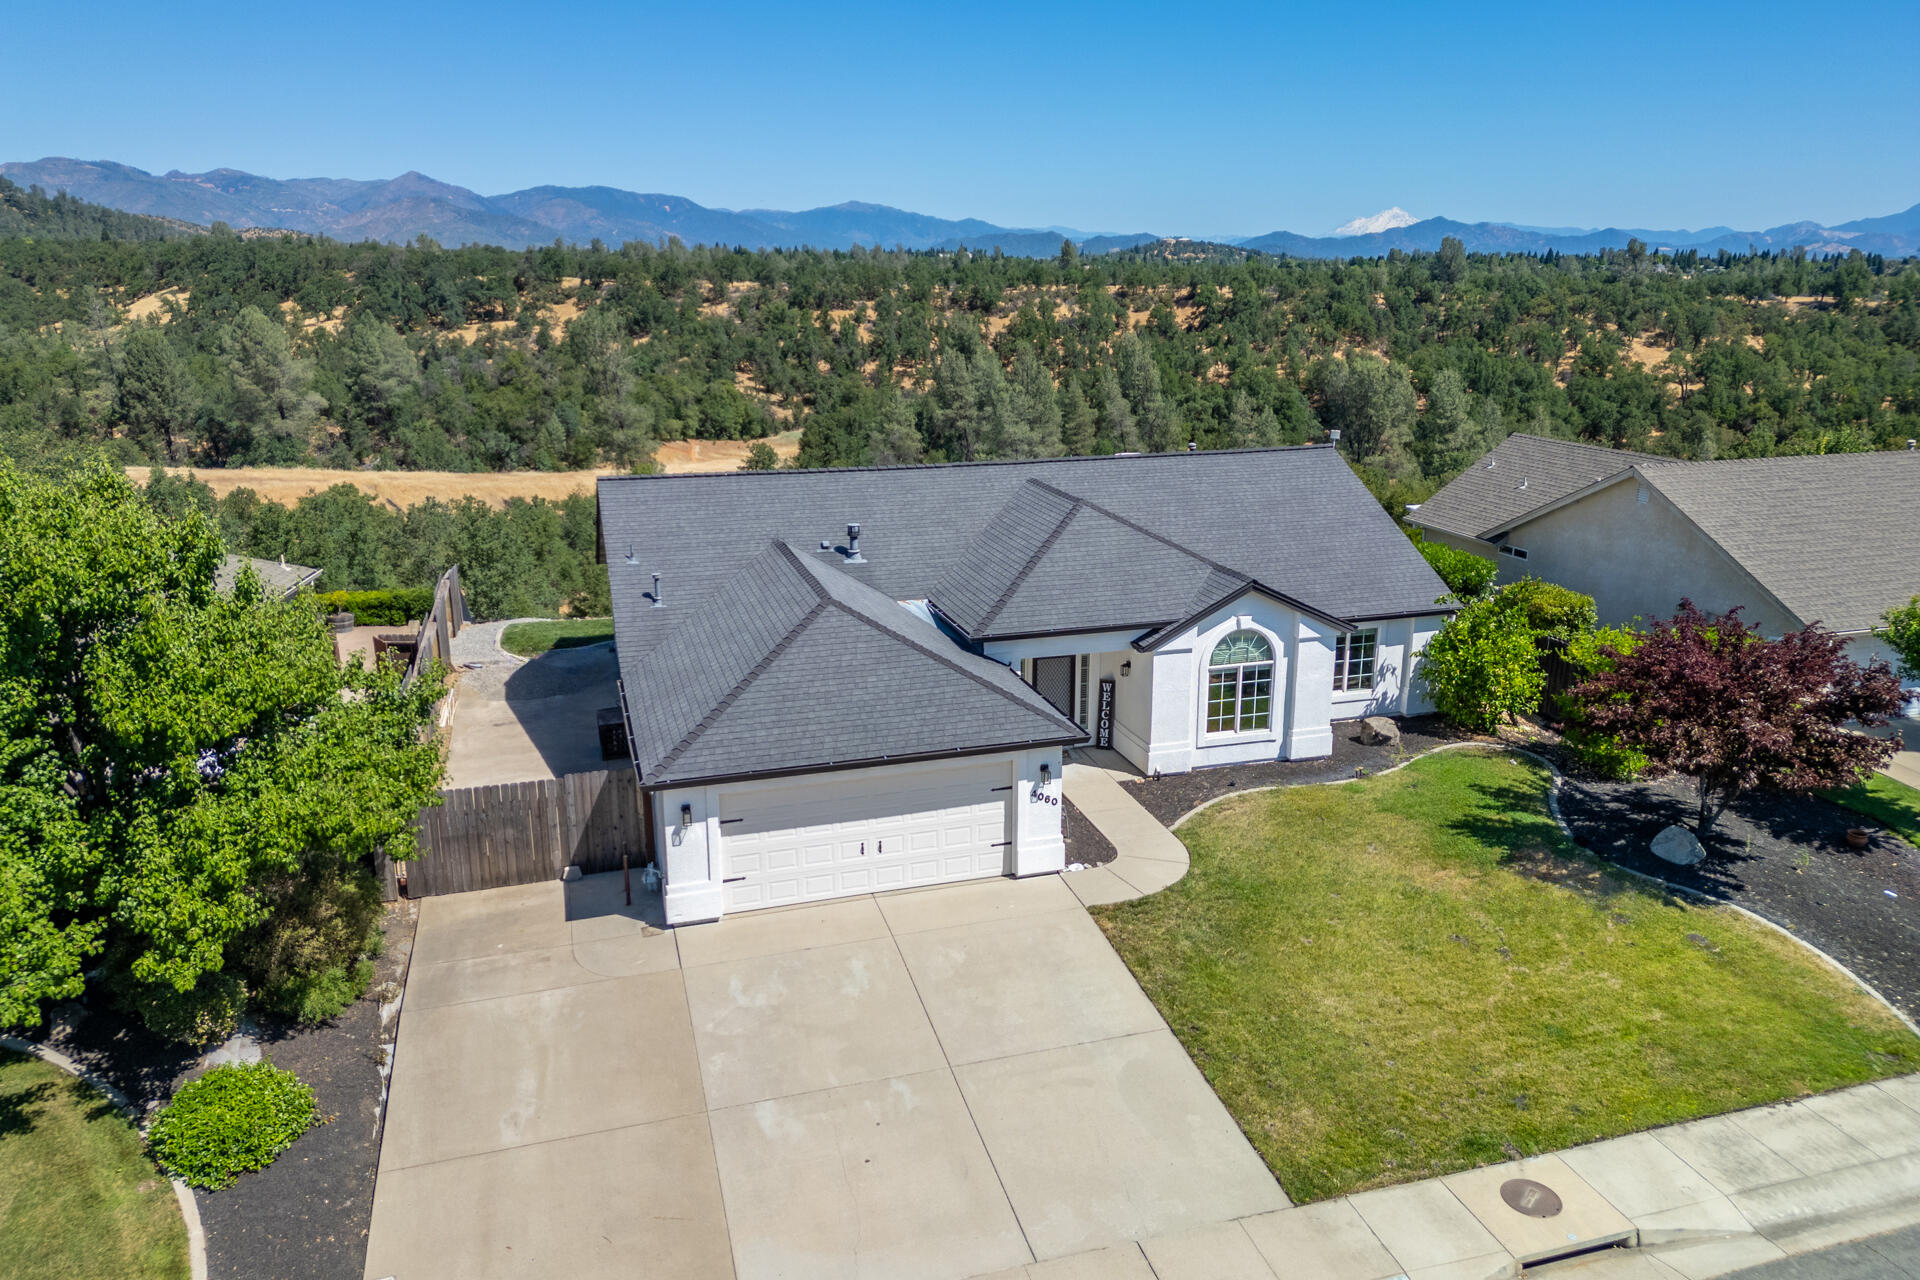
column 1053, row 680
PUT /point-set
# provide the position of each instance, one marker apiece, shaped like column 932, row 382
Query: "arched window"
column 1240, row 684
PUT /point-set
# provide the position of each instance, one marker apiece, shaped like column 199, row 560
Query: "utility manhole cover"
column 1535, row 1199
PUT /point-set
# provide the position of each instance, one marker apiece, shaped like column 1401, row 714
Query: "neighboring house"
column 277, row 576
column 863, row 678
column 1828, row 538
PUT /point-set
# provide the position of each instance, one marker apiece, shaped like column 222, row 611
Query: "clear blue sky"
column 1198, row 119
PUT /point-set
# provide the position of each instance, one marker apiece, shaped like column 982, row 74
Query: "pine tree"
column 1033, row 429
column 1140, row 380
column 895, row 440
column 1445, row 436
column 156, row 397
column 1078, row 425
column 1116, row 415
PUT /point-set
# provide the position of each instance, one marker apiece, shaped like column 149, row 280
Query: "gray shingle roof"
column 1052, row 562
column 278, row 577
column 1522, row 474
column 1835, row 537
column 1296, row 520
column 795, row 666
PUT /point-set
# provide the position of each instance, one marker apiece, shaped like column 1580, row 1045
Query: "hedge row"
column 379, row 608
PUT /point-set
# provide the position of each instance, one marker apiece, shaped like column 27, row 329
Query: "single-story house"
column 277, row 576
column 846, row 680
column 1827, row 538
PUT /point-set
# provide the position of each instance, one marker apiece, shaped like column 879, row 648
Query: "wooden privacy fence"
column 442, row 624
column 1561, row 671
column 524, row 832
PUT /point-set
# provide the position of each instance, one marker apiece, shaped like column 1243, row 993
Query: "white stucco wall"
column 689, row 855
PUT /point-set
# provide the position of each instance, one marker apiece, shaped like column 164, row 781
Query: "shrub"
column 231, row 1121
column 1551, row 609
column 1902, row 634
column 310, row 998
column 1467, row 575
column 1481, row 667
column 203, row 1013
column 379, row 608
column 1602, row 755
column 303, row 959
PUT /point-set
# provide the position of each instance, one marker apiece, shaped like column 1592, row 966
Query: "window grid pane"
column 1256, row 697
column 1222, row 699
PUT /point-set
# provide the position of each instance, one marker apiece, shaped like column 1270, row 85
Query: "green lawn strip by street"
column 1887, row 801
column 1403, row 977
column 530, row 638
column 79, row 1197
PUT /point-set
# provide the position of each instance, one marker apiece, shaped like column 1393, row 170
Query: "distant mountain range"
column 411, row 205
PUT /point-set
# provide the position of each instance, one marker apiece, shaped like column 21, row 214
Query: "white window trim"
column 1357, row 693
column 1275, row 694
column 1518, row 553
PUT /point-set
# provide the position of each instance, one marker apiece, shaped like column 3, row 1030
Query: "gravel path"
column 1780, row 856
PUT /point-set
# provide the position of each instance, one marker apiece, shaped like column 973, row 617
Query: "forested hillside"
column 218, row 351
column 29, row 211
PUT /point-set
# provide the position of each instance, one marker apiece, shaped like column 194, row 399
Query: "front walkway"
column 933, row 1083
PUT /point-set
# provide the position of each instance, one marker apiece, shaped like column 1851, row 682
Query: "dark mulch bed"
column 1171, row 798
column 1085, row 845
column 305, row 1216
column 1780, row 856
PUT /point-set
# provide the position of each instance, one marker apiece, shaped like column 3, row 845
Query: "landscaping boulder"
column 1678, row 846
column 1377, row 731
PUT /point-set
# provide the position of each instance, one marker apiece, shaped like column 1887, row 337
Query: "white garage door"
column 830, row 836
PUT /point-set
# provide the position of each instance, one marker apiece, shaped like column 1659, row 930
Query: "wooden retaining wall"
column 524, row 832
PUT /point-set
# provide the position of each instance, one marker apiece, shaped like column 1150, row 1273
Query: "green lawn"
column 1415, row 974
column 79, row 1198
column 530, row 638
column 1895, row 804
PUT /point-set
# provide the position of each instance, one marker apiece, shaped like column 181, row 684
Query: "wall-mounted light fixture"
column 1126, row 668
column 686, row 815
column 1046, row 773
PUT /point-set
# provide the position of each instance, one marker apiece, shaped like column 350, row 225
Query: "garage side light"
column 686, row 815
column 1046, row 773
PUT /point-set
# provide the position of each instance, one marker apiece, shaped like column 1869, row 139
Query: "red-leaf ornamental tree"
column 1711, row 698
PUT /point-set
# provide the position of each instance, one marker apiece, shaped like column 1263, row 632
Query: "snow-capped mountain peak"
column 1385, row 220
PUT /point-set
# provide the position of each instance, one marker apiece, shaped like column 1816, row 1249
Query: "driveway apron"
column 936, row 1083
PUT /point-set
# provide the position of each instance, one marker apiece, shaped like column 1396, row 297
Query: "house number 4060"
column 1037, row 796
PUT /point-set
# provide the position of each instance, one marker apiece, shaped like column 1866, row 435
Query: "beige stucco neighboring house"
column 1828, row 538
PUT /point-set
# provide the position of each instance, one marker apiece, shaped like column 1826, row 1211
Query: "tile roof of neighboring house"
column 793, row 666
column 1296, row 520
column 277, row 576
column 1834, row 537
column 1520, row 475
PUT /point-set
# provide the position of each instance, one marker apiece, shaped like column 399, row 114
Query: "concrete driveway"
column 937, row 1083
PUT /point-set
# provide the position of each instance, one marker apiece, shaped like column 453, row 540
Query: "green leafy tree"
column 1902, row 634
column 169, row 755
column 1481, row 668
column 760, row 457
column 1372, row 404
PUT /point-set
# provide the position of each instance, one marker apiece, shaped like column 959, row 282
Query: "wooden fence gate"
column 524, row 832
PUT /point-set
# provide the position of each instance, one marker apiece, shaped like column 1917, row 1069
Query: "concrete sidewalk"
column 1696, row 1200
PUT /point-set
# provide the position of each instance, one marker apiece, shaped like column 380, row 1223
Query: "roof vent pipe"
column 657, row 601
column 1912, row 445
column 853, row 544
column 1192, row 446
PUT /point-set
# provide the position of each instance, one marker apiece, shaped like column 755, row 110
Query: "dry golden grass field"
column 287, row 485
